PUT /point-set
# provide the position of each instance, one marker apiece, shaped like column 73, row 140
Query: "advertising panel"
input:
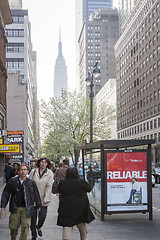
column 10, row 148
column 127, row 181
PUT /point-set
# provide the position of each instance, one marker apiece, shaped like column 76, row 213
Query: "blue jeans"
column 131, row 195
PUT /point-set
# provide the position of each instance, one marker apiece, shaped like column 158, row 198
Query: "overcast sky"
column 46, row 17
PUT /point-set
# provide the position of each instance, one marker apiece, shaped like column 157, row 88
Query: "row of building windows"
column 147, row 113
column 18, row 19
column 15, row 32
column 142, row 128
column 155, row 136
column 145, row 87
column 15, row 63
column 15, row 47
column 142, row 115
column 96, row 27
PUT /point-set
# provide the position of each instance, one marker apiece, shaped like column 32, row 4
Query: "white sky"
column 46, row 17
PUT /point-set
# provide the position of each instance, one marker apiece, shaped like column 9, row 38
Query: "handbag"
column 54, row 187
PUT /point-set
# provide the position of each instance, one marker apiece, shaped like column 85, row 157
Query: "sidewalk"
column 115, row 227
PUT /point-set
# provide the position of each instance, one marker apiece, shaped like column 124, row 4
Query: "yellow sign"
column 10, row 148
column 1, row 140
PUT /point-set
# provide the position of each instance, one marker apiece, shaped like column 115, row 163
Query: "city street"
column 115, row 227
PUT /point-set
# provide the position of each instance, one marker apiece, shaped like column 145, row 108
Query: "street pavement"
column 115, row 227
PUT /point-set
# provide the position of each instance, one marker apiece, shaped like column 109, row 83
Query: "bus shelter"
column 120, row 174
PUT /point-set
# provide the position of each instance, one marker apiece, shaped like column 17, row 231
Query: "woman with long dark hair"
column 74, row 206
column 43, row 176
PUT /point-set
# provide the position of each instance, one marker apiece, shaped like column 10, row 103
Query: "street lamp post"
column 89, row 81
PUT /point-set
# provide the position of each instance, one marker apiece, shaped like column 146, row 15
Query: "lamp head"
column 89, row 79
column 96, row 71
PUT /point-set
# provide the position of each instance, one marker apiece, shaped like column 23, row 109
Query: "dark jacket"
column 74, row 204
column 31, row 195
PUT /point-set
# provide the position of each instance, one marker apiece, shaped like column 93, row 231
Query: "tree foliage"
column 66, row 123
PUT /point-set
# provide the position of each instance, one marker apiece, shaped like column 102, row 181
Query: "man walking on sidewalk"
column 22, row 193
column 61, row 172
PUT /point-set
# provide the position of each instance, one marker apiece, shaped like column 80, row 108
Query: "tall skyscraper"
column 60, row 72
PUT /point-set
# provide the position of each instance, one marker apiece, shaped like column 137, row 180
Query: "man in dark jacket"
column 22, row 193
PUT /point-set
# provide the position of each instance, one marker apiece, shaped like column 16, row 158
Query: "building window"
column 15, row 47
column 158, row 36
column 157, row 21
column 155, row 109
column 154, row 40
column 155, row 123
column 158, row 50
column 154, row 54
column 155, row 95
column 15, row 32
column 153, row 26
column 18, row 19
column 150, row 57
column 15, row 62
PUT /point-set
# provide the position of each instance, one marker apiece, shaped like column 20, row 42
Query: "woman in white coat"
column 43, row 176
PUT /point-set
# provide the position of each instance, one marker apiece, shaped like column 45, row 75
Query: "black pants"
column 41, row 218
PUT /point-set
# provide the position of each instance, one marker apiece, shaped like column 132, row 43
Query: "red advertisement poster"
column 126, row 181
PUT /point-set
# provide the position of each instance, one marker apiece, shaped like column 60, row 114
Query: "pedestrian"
column 61, row 172
column 43, row 176
column 22, row 193
column 134, row 186
column 14, row 171
column 8, row 169
column 74, row 206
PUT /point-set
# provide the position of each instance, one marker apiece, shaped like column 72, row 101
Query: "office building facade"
column 107, row 94
column 21, row 60
column 96, row 42
column 138, row 74
column 5, row 18
column 83, row 10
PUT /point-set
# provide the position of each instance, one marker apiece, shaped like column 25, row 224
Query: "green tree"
column 66, row 123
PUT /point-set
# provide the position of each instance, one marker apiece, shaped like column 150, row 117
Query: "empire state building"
column 60, row 72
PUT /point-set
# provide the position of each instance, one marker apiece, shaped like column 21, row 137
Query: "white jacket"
column 44, row 184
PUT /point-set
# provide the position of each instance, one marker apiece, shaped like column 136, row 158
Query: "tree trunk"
column 76, row 156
